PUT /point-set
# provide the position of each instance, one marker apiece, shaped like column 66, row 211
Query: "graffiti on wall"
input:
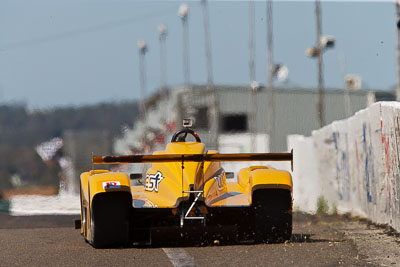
column 369, row 165
column 358, row 170
column 342, row 166
column 396, row 183
column 390, row 144
column 388, row 164
column 362, row 163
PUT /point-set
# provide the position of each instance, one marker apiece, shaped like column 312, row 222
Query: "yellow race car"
column 186, row 196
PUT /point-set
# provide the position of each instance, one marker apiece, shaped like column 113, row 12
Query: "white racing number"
column 152, row 181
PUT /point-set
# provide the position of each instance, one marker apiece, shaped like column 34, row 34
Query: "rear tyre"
column 272, row 211
column 83, row 215
column 109, row 222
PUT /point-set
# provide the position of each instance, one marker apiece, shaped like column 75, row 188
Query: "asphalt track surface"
column 52, row 241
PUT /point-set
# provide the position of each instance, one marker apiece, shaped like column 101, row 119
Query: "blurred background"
column 118, row 77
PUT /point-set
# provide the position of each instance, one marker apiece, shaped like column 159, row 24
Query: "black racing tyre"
column 272, row 211
column 110, row 224
column 83, row 213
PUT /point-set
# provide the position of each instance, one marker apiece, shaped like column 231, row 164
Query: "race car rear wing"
column 193, row 158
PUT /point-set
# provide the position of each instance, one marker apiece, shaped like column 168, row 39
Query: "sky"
column 59, row 53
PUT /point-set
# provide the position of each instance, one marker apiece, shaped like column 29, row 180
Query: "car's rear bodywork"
column 186, row 196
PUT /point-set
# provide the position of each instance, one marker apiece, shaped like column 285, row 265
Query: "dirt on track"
column 33, row 190
column 316, row 241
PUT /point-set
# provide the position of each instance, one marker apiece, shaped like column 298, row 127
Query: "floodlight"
column 142, row 46
column 282, row 73
column 183, row 10
column 353, row 82
column 162, row 29
column 327, row 41
column 254, row 85
column 313, row 52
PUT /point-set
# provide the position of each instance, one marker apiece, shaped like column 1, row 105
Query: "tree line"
column 22, row 130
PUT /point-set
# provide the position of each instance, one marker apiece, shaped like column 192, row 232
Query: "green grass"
column 322, row 205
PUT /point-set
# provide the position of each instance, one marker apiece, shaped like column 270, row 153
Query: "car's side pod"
column 261, row 177
column 270, row 178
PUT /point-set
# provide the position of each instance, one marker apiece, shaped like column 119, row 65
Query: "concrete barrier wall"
column 390, row 142
column 306, row 187
column 357, row 164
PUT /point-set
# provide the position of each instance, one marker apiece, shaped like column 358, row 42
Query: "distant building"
column 229, row 113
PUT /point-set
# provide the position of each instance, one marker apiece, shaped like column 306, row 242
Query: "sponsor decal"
column 111, row 184
column 219, row 180
column 149, row 204
column 140, row 203
column 152, row 181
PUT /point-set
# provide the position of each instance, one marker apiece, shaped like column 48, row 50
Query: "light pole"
column 252, row 77
column 183, row 13
column 347, row 103
column 273, row 71
column 270, row 76
column 320, row 65
column 398, row 49
column 162, row 30
column 142, row 46
column 322, row 43
column 214, row 112
column 352, row 82
column 207, row 44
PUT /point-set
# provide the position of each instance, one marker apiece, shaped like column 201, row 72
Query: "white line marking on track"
column 179, row 257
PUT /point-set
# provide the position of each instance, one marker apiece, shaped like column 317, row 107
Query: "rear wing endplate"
column 193, row 158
